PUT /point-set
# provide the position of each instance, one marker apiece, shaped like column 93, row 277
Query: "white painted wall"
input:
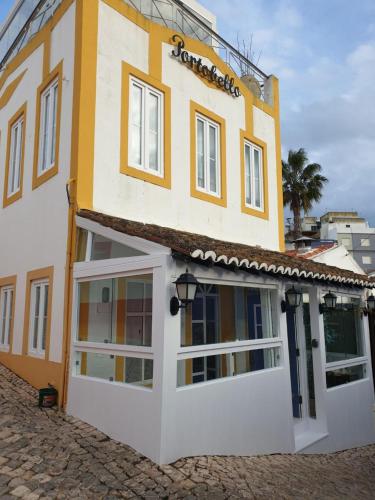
column 123, row 196
column 350, row 417
column 331, row 230
column 338, row 256
column 34, row 228
column 202, row 11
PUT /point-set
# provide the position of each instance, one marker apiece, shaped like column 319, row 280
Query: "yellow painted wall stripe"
column 9, row 91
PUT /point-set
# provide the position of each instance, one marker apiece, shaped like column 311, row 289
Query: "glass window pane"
column 45, row 132
column 153, row 145
column 197, row 308
column 148, row 331
column 227, row 313
column 197, row 334
column 117, row 310
column 45, row 317
column 213, row 159
column 136, row 124
column 257, row 178
column 345, row 375
column 200, row 369
column 201, row 154
column 343, row 331
column 3, row 317
column 112, row 368
column 135, row 297
column 103, row 248
column 37, row 290
column 133, row 370
column 134, row 330
column 53, row 124
column 248, row 174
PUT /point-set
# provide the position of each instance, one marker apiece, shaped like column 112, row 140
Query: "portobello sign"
column 226, row 83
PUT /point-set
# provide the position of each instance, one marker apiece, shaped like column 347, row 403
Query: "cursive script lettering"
column 224, row 82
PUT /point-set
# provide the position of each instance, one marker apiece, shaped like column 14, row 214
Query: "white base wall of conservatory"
column 350, row 418
column 246, row 415
column 129, row 415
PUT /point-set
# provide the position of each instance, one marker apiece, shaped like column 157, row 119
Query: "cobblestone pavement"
column 46, row 454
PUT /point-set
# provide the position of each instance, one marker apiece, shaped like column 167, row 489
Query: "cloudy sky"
column 323, row 52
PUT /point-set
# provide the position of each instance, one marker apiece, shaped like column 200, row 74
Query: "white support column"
column 367, row 346
column 171, row 345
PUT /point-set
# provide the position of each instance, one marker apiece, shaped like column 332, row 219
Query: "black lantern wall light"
column 371, row 303
column 292, row 300
column 330, row 302
column 186, row 287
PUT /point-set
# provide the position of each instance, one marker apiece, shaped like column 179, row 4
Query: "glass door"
column 301, row 361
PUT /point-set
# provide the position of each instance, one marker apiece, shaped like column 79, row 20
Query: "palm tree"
column 302, row 185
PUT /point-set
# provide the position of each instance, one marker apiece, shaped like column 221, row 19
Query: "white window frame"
column 15, row 157
column 206, row 144
column 140, row 314
column 145, row 147
column 47, row 135
column 249, row 174
column 42, row 316
column 350, row 362
column 366, row 259
column 6, row 314
column 206, row 291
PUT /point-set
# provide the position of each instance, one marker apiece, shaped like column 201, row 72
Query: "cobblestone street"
column 45, row 454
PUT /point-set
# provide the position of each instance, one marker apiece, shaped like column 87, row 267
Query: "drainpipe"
column 71, row 187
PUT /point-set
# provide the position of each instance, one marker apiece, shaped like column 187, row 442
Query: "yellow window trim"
column 10, row 89
column 10, row 281
column 125, row 168
column 38, row 180
column 195, row 193
column 35, row 42
column 8, row 200
column 262, row 214
column 37, row 274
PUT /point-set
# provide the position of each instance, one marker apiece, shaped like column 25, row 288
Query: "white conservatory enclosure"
column 245, row 369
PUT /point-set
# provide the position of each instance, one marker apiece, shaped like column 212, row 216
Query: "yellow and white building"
column 136, row 142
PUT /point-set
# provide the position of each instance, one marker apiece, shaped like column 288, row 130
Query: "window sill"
column 38, row 180
column 8, row 200
column 255, row 212
column 36, row 355
column 211, row 198
column 146, row 176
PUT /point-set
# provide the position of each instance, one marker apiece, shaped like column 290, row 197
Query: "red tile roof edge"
column 252, row 258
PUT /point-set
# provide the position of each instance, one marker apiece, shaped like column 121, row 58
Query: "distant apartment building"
column 354, row 233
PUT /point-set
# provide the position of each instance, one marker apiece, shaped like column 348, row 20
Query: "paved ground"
column 45, row 454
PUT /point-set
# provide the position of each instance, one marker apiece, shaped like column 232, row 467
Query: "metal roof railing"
column 173, row 14
column 15, row 37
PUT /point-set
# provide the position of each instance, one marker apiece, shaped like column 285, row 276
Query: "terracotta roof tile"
column 203, row 248
column 312, row 253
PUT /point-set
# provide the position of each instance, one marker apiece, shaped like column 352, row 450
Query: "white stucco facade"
column 120, row 40
column 36, row 225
